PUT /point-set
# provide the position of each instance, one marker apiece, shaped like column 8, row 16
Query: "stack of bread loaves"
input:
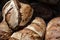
column 17, row 15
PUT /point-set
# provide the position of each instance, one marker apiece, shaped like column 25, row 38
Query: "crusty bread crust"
column 17, row 16
column 34, row 31
column 53, row 29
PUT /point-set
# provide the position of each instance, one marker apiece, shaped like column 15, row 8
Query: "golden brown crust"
column 26, row 34
column 34, row 31
column 4, row 27
column 4, row 35
column 40, row 22
column 26, row 12
column 5, row 31
column 15, row 14
column 38, row 25
column 54, row 21
column 12, row 38
column 53, row 29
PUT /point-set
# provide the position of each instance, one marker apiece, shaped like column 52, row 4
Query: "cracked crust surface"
column 5, row 31
column 14, row 18
column 34, row 31
column 53, row 29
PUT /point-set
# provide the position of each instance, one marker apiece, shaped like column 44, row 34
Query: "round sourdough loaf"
column 17, row 14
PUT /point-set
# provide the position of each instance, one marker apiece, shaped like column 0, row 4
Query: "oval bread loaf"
column 17, row 14
column 53, row 29
column 34, row 31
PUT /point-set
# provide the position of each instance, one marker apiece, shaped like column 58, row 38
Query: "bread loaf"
column 16, row 13
column 34, row 31
column 53, row 29
column 5, row 31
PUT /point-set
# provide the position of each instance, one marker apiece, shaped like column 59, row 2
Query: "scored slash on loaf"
column 34, row 31
column 16, row 13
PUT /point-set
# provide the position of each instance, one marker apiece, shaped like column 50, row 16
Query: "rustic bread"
column 34, row 31
column 16, row 13
column 53, row 29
